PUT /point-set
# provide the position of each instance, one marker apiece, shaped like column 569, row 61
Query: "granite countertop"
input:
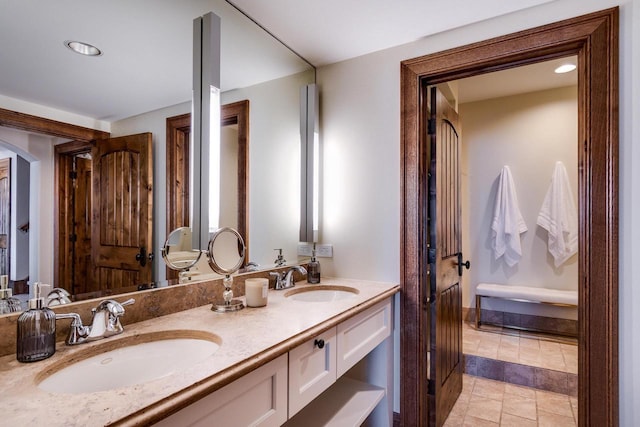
column 249, row 339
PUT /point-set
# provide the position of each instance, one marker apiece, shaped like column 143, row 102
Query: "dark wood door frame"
column 594, row 39
column 63, row 223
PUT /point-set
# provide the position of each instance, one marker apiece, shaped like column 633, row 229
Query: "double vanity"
column 315, row 355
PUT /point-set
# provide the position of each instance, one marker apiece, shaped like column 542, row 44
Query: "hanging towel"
column 507, row 224
column 559, row 217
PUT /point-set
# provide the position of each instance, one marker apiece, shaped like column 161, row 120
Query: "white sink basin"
column 129, row 361
column 322, row 293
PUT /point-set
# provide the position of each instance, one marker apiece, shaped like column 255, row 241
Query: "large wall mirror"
column 255, row 69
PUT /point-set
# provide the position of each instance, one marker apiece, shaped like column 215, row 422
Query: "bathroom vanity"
column 304, row 359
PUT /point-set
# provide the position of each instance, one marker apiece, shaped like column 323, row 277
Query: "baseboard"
column 553, row 325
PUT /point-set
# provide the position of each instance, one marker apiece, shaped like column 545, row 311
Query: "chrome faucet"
column 105, row 322
column 285, row 280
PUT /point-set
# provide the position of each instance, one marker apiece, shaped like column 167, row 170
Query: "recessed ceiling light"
column 83, row 48
column 565, row 68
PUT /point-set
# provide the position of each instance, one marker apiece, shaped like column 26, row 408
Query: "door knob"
column 141, row 257
column 461, row 264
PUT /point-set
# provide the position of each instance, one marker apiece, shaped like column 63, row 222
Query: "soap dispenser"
column 8, row 304
column 36, row 338
column 313, row 268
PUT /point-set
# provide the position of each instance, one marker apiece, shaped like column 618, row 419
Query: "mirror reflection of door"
column 5, row 215
column 105, row 215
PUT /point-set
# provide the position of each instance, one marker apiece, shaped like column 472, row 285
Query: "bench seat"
column 523, row 294
column 527, row 293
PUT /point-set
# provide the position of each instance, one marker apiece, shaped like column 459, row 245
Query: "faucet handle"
column 77, row 331
column 112, row 306
column 278, row 279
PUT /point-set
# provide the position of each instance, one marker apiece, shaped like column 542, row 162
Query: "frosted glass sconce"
column 205, row 128
column 309, row 164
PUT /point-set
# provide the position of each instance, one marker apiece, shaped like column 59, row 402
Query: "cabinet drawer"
column 361, row 334
column 312, row 369
column 258, row 398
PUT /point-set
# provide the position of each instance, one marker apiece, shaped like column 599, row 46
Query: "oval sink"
column 129, row 361
column 322, row 293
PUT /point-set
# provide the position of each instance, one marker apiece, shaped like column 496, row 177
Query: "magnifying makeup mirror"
column 178, row 251
column 226, row 256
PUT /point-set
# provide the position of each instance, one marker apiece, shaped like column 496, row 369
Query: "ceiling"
column 525, row 79
column 147, row 44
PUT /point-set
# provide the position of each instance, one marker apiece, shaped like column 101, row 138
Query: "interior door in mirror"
column 122, row 211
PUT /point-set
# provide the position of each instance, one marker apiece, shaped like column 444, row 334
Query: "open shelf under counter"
column 348, row 402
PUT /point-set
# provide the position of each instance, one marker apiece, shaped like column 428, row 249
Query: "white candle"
column 256, row 291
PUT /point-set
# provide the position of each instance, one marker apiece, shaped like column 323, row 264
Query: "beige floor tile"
column 546, row 419
column 554, row 403
column 527, row 343
column 509, row 420
column 489, row 389
column 521, row 406
column 510, row 340
column 572, row 367
column 574, row 407
column 484, row 408
column 512, row 389
column 469, row 344
column 509, row 356
column 454, row 420
column 550, row 347
column 470, row 421
column 460, row 407
column 557, row 364
column 488, row 351
column 467, row 382
column 489, row 338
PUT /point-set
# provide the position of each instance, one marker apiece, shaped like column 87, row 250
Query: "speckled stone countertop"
column 249, row 339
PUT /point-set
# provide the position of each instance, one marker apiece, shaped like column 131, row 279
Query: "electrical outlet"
column 304, row 249
column 324, row 251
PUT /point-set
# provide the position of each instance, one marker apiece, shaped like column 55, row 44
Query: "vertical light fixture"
column 205, row 128
column 309, row 164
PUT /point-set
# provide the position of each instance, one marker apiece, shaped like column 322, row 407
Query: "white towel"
column 559, row 217
column 507, row 224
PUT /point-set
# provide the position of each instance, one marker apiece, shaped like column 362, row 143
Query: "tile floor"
column 486, row 402
column 520, row 349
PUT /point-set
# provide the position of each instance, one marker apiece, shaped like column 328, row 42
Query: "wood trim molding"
column 594, row 38
column 238, row 113
column 178, row 180
column 63, row 154
column 27, row 122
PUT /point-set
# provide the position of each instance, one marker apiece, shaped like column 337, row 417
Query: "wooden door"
column 122, row 208
column 82, row 271
column 5, row 215
column 444, row 255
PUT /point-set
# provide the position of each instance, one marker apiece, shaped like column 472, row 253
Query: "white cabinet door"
column 312, row 369
column 361, row 334
column 257, row 399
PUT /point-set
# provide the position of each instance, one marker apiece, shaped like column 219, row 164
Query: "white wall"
column 360, row 123
column 528, row 133
column 274, row 164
